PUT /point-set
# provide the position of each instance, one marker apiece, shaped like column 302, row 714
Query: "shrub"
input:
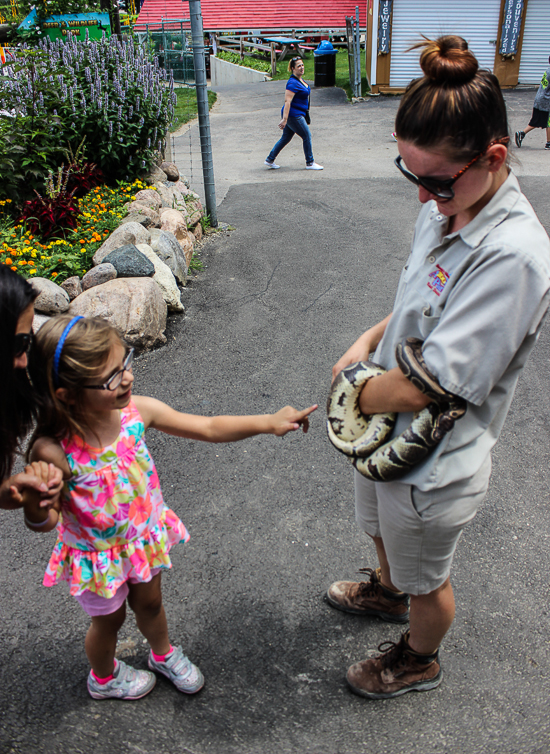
column 56, row 212
column 106, row 92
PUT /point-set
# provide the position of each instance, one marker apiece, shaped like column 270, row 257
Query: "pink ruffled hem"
column 103, row 572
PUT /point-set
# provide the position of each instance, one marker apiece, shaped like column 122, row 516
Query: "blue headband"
column 59, row 348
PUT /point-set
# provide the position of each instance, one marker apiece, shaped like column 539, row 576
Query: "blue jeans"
column 294, row 126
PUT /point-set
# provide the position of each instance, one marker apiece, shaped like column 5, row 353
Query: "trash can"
column 325, row 64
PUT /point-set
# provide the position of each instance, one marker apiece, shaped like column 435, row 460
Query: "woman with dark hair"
column 475, row 290
column 17, row 398
column 295, row 116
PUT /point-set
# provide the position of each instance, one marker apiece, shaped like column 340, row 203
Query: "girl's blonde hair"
column 85, row 351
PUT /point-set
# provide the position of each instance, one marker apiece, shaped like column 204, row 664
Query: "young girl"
column 114, row 531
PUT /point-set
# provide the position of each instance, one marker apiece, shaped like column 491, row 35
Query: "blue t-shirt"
column 300, row 101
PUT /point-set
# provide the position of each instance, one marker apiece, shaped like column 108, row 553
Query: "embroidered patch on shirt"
column 438, row 280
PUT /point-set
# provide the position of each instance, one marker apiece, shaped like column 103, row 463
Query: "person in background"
column 295, row 117
column 541, row 111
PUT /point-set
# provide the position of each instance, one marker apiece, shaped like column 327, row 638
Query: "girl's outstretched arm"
column 159, row 416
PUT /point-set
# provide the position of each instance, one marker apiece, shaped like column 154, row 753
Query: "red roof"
column 258, row 15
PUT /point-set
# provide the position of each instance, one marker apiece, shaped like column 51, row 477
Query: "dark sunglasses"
column 442, row 187
column 116, row 379
column 21, row 343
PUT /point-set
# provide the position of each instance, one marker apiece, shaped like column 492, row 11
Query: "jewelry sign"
column 509, row 37
column 384, row 26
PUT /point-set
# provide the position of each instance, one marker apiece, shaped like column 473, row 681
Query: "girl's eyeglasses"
column 115, row 381
column 442, row 187
column 21, row 343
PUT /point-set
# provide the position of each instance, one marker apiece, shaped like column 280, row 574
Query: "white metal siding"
column 536, row 42
column 475, row 20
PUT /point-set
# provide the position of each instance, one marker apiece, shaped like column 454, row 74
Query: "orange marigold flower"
column 14, row 269
column 8, row 261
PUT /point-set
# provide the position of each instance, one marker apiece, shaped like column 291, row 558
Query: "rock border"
column 136, row 306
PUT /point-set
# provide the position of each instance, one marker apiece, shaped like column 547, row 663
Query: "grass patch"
column 186, row 105
column 248, row 62
column 342, row 71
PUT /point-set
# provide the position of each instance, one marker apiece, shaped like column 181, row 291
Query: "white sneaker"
column 314, row 166
column 272, row 165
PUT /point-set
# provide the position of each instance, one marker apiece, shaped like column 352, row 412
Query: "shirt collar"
column 497, row 210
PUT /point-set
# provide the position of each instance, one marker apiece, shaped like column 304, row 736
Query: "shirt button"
column 439, row 217
column 431, row 260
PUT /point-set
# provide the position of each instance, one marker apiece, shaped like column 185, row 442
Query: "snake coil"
column 364, row 438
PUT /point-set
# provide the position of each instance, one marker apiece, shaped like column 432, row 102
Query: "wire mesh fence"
column 170, row 40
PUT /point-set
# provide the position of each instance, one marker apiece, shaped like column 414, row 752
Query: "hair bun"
column 448, row 59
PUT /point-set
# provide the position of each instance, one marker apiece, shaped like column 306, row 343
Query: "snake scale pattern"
column 365, row 439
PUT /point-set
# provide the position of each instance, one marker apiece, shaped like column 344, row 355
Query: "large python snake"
column 363, row 438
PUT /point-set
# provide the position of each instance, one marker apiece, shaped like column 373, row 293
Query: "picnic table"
column 285, row 43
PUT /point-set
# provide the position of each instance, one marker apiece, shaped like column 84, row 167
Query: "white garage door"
column 475, row 20
column 536, row 42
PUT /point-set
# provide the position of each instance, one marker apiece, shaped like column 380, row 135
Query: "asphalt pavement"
column 313, row 261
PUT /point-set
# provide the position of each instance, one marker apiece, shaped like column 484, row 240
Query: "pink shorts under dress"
column 93, row 604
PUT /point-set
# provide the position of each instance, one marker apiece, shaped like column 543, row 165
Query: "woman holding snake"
column 475, row 289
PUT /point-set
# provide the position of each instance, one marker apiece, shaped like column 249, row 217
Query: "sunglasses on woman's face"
column 442, row 187
column 22, row 343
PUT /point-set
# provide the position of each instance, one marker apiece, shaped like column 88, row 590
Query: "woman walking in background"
column 295, row 116
column 541, row 111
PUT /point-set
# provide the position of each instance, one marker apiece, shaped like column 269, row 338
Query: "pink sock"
column 102, row 681
column 162, row 658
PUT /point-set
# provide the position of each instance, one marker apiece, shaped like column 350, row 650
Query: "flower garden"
column 100, row 212
column 79, row 124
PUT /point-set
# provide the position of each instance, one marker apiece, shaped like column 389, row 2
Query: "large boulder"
column 164, row 279
column 134, row 306
column 73, row 286
column 139, row 208
column 154, row 175
column 98, row 275
column 194, row 211
column 124, row 234
column 173, row 221
column 129, row 262
column 136, row 217
column 170, row 196
column 52, row 299
column 172, row 173
column 150, row 197
column 167, row 247
column 182, row 187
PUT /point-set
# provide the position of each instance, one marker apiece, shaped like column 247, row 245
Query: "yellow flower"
column 32, row 272
column 82, row 251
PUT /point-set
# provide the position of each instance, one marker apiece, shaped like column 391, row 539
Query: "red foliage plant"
column 82, row 177
column 46, row 217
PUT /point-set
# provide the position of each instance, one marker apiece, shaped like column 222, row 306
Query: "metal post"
column 202, row 105
column 358, row 53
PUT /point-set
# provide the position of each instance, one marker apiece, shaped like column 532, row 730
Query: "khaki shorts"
column 420, row 530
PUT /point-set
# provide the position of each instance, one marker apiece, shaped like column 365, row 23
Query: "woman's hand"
column 49, row 486
column 282, row 124
column 289, row 419
column 362, row 347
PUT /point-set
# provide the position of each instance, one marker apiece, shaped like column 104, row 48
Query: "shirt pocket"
column 428, row 320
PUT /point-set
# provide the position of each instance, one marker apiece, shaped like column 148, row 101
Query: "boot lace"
column 368, row 588
column 393, row 654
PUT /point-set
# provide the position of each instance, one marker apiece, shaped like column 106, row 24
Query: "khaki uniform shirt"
column 477, row 298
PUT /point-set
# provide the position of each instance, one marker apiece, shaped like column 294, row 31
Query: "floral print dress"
column 113, row 523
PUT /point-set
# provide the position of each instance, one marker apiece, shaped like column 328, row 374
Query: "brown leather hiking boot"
column 369, row 598
column 397, row 670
